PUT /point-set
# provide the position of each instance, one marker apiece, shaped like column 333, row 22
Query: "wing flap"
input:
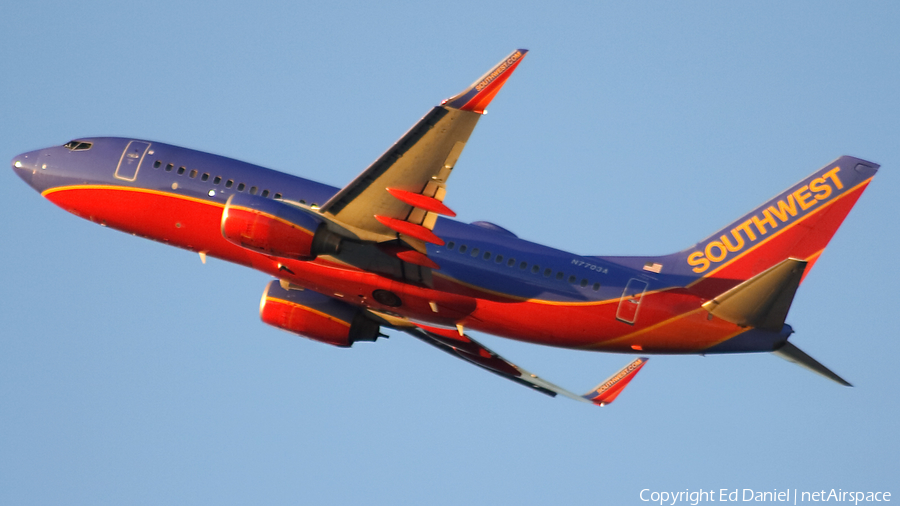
column 464, row 347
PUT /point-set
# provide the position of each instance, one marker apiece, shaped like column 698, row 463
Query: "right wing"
column 470, row 350
column 400, row 195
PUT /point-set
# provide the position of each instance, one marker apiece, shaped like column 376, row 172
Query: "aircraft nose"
column 25, row 166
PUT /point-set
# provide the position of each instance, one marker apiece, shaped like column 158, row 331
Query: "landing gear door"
column 131, row 160
column 631, row 301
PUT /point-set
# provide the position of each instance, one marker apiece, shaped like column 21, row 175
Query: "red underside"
column 668, row 322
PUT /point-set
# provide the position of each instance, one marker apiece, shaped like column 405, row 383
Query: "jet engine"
column 275, row 228
column 316, row 316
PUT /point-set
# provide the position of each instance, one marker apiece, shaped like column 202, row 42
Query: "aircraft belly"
column 194, row 224
column 668, row 322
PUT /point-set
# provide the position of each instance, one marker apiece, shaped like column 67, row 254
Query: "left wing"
column 401, row 194
column 466, row 348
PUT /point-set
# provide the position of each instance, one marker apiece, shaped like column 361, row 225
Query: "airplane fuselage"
column 488, row 280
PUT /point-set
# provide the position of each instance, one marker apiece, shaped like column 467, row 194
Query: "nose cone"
column 33, row 168
column 25, row 166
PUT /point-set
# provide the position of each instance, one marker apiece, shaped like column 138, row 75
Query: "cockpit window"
column 78, row 145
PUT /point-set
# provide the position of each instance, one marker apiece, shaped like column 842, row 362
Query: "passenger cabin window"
column 229, row 183
column 265, row 193
column 217, row 180
column 596, row 286
column 571, row 279
column 462, row 249
column 583, row 283
column 474, row 252
column 277, row 195
column 451, row 245
column 511, row 262
column 156, row 164
column 193, row 174
column 536, row 269
column 169, row 167
column 252, row 190
column 181, row 170
column 205, row 176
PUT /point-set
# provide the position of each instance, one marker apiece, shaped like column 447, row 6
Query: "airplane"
column 384, row 252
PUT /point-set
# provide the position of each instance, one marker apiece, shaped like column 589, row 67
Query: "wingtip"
column 607, row 391
column 476, row 97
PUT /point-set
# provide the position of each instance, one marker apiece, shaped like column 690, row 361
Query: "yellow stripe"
column 45, row 193
column 516, row 298
column 655, row 326
column 776, row 234
column 272, row 217
column 165, row 194
column 651, row 327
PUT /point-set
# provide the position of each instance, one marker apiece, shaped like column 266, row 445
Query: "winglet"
column 606, row 392
column 476, row 98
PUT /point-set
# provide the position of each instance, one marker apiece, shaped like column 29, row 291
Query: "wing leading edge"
column 464, row 347
column 400, row 195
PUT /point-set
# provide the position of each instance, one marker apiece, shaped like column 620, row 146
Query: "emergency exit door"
column 631, row 301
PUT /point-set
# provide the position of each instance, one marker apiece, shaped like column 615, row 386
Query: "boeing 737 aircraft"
column 384, row 252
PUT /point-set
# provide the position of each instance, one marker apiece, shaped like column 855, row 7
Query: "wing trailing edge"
column 464, row 347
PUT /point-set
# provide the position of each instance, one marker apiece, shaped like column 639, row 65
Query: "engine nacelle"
column 275, row 228
column 316, row 316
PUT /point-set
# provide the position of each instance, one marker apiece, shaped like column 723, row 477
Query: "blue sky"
column 130, row 373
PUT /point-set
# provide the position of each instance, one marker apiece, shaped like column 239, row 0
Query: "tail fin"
column 797, row 223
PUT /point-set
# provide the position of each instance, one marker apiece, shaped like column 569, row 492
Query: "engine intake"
column 315, row 316
column 275, row 228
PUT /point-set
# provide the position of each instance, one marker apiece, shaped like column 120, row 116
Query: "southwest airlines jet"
column 383, row 252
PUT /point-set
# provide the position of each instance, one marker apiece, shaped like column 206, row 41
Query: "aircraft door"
column 631, row 301
column 131, row 160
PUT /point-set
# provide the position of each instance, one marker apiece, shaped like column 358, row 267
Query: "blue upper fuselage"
column 480, row 255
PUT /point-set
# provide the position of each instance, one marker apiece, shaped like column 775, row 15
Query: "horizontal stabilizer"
column 793, row 354
column 762, row 301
